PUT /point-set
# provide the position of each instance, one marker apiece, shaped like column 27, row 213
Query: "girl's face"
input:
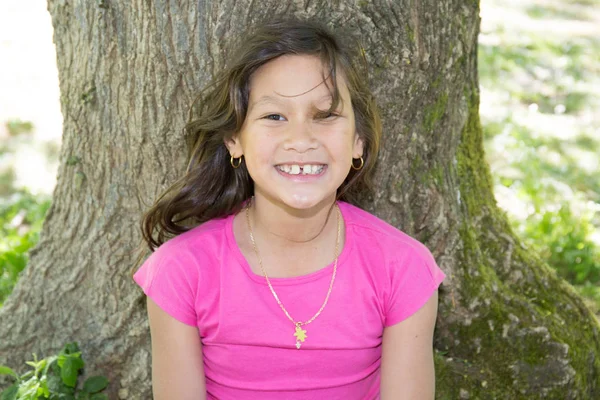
column 297, row 154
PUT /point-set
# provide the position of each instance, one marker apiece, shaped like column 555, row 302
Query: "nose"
column 300, row 137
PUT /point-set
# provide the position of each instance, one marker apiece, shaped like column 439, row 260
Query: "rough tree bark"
column 508, row 327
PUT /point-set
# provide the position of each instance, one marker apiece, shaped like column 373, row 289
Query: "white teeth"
column 307, row 169
column 316, row 169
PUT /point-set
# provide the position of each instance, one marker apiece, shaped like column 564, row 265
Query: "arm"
column 177, row 366
column 407, row 370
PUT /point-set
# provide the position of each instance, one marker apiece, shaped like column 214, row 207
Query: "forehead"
column 295, row 77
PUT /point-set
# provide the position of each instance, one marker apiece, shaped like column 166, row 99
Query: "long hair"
column 211, row 188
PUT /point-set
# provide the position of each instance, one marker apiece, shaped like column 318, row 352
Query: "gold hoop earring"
column 362, row 162
column 234, row 165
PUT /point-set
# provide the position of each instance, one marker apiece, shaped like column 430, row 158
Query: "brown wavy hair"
column 211, row 188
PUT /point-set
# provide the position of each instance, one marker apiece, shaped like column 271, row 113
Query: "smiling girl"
column 265, row 281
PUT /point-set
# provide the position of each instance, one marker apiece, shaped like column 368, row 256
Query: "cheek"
column 259, row 153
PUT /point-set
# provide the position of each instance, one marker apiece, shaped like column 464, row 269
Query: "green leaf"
column 63, row 357
column 4, row 370
column 55, row 368
column 95, row 384
column 99, row 396
column 49, row 362
column 56, row 385
column 28, row 390
column 10, row 393
column 27, row 374
column 44, row 388
column 70, row 348
column 83, row 396
column 70, row 370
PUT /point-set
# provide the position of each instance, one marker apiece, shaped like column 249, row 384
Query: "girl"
column 265, row 281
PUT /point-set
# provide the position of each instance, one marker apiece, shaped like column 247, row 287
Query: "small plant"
column 55, row 378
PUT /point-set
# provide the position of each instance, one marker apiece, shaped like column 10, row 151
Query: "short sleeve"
column 414, row 278
column 170, row 279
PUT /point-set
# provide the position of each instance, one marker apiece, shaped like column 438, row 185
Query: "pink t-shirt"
column 202, row 279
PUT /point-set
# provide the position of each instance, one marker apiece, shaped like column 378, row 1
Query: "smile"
column 296, row 169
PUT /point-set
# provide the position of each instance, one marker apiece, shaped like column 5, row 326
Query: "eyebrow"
column 267, row 99
column 264, row 100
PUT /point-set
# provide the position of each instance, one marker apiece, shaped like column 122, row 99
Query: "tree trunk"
column 508, row 328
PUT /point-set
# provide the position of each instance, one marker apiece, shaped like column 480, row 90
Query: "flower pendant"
column 300, row 335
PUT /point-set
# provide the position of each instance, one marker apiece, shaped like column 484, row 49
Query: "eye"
column 326, row 115
column 274, row 117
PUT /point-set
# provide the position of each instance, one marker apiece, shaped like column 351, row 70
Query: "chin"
column 301, row 202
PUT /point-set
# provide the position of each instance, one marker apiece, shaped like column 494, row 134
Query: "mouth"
column 301, row 169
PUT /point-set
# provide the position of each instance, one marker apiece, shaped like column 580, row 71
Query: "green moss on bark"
column 435, row 112
column 410, row 33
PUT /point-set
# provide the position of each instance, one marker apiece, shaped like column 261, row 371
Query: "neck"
column 291, row 227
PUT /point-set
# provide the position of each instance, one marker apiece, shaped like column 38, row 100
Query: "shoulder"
column 202, row 239
column 402, row 268
column 181, row 268
column 186, row 264
column 373, row 234
column 189, row 254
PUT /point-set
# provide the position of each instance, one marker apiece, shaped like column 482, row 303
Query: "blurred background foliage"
column 21, row 217
column 539, row 75
column 540, row 98
column 21, row 212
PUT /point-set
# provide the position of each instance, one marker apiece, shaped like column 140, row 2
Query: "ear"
column 358, row 147
column 234, row 146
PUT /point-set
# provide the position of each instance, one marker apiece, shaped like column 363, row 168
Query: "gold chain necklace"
column 300, row 333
